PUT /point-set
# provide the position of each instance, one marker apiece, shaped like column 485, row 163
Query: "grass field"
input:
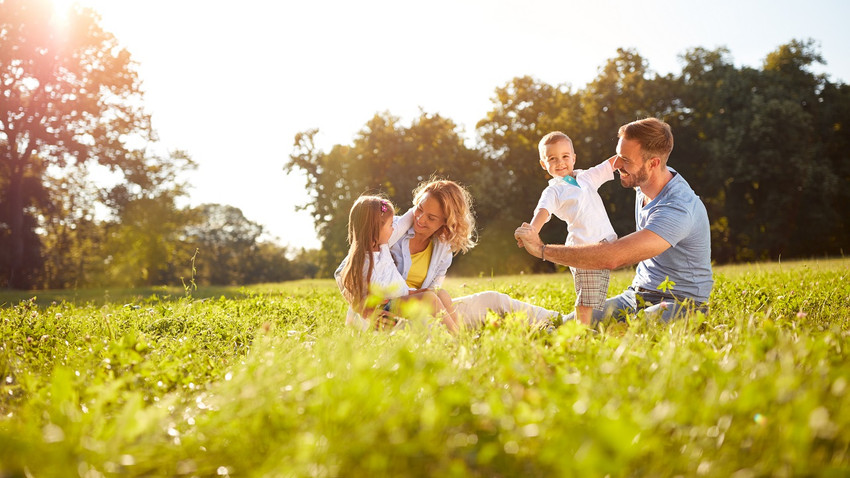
column 266, row 381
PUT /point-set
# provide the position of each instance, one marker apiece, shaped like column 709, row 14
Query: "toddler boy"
column 572, row 196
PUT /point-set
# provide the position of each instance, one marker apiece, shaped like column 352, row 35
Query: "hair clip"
column 384, row 207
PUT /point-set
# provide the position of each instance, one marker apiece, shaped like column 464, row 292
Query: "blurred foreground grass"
column 266, row 381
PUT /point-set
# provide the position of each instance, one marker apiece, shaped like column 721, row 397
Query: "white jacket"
column 441, row 259
column 385, row 274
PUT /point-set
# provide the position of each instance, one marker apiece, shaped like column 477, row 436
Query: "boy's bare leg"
column 584, row 314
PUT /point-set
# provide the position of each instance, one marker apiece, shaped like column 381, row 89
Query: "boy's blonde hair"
column 552, row 138
column 456, row 203
column 365, row 220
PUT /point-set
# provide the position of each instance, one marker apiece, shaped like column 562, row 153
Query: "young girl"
column 369, row 267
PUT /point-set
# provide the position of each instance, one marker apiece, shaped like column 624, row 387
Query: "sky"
column 232, row 82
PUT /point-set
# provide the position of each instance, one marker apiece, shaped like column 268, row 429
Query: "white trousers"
column 472, row 309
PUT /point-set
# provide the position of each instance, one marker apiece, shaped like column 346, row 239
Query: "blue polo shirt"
column 677, row 215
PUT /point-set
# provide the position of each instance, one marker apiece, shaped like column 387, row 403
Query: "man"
column 672, row 241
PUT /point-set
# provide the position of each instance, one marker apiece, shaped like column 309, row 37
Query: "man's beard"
column 634, row 180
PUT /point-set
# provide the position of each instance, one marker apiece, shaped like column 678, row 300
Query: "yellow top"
column 419, row 263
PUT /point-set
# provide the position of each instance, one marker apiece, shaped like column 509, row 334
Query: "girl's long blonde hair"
column 456, row 202
column 365, row 220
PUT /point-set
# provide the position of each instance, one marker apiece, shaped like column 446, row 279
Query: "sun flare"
column 62, row 10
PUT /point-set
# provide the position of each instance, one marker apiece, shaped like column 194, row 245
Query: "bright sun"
column 61, row 9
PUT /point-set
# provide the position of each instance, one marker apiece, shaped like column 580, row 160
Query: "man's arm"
column 628, row 250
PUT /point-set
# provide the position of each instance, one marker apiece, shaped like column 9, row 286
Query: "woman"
column 441, row 225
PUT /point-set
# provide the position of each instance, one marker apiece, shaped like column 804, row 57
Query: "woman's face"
column 428, row 217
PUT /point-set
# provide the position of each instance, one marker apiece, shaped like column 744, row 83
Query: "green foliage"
column 229, row 249
column 762, row 152
column 270, row 383
column 386, row 157
column 765, row 149
column 69, row 95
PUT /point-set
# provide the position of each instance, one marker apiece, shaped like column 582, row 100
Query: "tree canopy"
column 68, row 95
column 765, row 149
column 71, row 102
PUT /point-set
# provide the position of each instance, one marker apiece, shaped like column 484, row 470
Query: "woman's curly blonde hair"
column 456, row 203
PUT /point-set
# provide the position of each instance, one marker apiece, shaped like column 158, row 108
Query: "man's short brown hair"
column 654, row 136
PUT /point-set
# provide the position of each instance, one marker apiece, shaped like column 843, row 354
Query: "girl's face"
column 428, row 217
column 386, row 231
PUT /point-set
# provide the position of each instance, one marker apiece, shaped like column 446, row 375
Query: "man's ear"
column 542, row 164
column 656, row 161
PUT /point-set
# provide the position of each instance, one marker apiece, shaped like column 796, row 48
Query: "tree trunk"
column 16, row 226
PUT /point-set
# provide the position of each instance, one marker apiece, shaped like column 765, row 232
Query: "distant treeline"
column 767, row 150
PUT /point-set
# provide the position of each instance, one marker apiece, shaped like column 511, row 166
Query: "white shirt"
column 580, row 206
column 441, row 259
column 385, row 275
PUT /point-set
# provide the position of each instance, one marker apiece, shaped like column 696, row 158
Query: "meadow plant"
column 266, row 381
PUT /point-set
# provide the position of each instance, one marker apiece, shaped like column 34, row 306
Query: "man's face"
column 633, row 170
column 560, row 159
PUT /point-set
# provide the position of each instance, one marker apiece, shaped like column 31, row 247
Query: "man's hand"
column 527, row 238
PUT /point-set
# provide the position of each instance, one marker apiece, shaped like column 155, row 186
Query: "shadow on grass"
column 104, row 296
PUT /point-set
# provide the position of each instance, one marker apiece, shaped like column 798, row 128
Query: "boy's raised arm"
column 540, row 218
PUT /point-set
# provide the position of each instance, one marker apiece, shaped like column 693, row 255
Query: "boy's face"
column 560, row 159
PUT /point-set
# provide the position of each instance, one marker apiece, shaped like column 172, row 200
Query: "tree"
column 511, row 178
column 385, row 157
column 143, row 242
column 800, row 203
column 226, row 242
column 772, row 162
column 68, row 94
column 714, row 97
column 73, row 239
column 624, row 90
